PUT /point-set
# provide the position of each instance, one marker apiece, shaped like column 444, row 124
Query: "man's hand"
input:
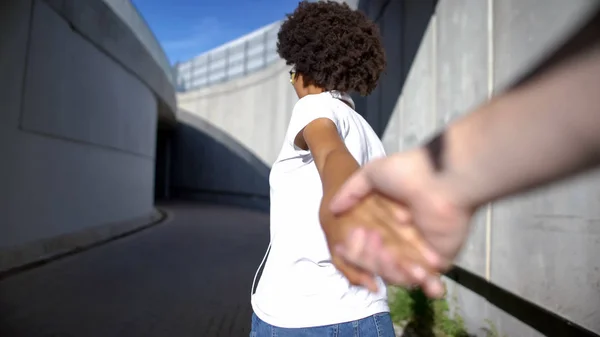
column 408, row 179
column 379, row 215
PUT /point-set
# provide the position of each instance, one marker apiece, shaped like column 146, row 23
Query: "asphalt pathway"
column 188, row 276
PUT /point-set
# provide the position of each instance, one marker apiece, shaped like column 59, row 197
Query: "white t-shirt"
column 299, row 286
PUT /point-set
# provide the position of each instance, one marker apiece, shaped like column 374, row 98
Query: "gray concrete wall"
column 444, row 58
column 229, row 136
column 207, row 164
column 253, row 110
column 130, row 15
column 542, row 246
column 77, row 127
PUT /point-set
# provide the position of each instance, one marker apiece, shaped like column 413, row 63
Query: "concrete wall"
column 81, row 98
column 139, row 27
column 247, row 119
column 542, row 246
column 253, row 110
column 207, row 164
column 444, row 58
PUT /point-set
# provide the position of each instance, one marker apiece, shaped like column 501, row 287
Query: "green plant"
column 447, row 324
column 400, row 305
column 423, row 317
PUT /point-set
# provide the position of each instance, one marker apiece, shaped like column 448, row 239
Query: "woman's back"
column 299, row 286
column 332, row 49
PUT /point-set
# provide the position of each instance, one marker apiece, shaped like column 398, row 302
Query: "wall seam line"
column 26, row 67
column 490, row 93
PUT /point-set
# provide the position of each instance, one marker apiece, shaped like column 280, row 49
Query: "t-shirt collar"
column 342, row 96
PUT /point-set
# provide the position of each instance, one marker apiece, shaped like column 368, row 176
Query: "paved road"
column 190, row 276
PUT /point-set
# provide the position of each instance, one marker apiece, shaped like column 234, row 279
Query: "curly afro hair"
column 332, row 46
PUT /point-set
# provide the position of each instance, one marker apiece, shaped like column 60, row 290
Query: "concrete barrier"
column 209, row 165
column 541, row 246
column 253, row 110
column 82, row 98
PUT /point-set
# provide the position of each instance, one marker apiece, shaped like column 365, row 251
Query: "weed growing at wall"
column 491, row 330
column 423, row 317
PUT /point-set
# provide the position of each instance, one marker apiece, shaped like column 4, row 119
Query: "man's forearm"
column 541, row 131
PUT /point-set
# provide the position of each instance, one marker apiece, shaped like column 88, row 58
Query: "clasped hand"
column 374, row 239
column 395, row 219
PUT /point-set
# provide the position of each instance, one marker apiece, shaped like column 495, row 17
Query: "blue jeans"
column 378, row 325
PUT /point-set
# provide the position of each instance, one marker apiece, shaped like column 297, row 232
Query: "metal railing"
column 235, row 59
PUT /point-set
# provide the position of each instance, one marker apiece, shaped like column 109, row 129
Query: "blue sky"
column 186, row 28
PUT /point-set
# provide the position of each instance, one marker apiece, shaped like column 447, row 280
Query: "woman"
column 334, row 50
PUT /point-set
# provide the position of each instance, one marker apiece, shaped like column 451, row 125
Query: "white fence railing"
column 238, row 58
